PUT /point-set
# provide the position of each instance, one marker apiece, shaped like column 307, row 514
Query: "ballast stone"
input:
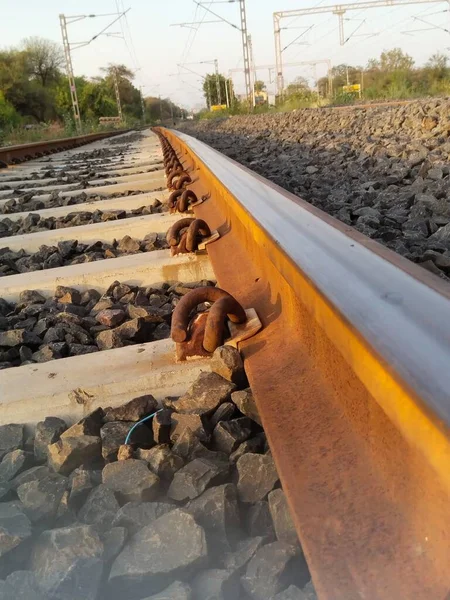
column 174, row 546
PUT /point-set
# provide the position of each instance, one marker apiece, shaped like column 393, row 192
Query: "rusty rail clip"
column 189, row 235
column 182, row 200
column 202, row 334
column 181, row 176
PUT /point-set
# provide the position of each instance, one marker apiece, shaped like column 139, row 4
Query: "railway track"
column 345, row 344
column 17, row 154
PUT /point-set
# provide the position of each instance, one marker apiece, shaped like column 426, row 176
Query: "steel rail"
column 351, row 376
column 19, row 153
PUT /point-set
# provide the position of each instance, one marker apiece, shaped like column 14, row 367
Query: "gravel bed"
column 98, row 153
column 191, row 509
column 71, row 252
column 34, row 222
column 79, row 180
column 39, row 329
column 383, row 170
column 27, row 201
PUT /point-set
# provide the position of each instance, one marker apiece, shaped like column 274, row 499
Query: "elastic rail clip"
column 190, row 235
column 183, row 200
column 206, row 331
column 181, row 178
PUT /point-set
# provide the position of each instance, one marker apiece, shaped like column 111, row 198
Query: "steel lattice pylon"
column 70, row 76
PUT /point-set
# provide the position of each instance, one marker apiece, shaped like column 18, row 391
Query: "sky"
column 146, row 41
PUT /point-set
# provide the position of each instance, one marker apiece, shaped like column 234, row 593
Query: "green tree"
column 8, row 115
column 260, row 86
column 210, row 89
column 130, row 97
column 96, row 100
column 343, row 74
column 161, row 109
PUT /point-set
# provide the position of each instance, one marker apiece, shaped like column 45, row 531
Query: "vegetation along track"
column 345, row 348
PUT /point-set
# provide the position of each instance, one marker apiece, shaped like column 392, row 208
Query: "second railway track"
column 345, row 344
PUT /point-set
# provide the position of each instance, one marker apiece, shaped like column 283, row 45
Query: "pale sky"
column 156, row 48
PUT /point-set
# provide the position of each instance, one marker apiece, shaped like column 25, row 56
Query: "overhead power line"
column 339, row 10
column 353, row 33
column 216, row 15
column 126, row 32
column 242, row 29
column 432, row 24
column 189, row 47
column 297, row 38
column 81, row 44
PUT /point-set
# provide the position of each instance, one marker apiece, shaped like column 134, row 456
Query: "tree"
column 437, row 67
column 395, row 60
column 123, row 72
column 342, row 70
column 45, row 59
column 437, row 61
column 373, row 64
column 260, row 86
column 96, row 100
column 130, row 97
column 8, row 114
column 298, row 86
column 210, row 89
column 160, row 109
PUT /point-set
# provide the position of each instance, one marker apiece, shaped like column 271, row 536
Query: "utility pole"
column 252, row 69
column 278, row 53
column 232, row 95
column 245, row 51
column 340, row 15
column 70, row 76
column 219, row 95
column 142, row 105
column 208, row 94
column 226, row 93
column 116, row 89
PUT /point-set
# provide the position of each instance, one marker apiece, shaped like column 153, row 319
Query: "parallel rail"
column 351, row 378
column 15, row 154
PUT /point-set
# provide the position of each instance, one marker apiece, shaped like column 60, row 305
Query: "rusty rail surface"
column 16, row 154
column 351, row 374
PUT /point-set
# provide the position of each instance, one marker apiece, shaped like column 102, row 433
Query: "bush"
column 9, row 118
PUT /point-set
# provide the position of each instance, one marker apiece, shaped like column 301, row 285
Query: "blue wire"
column 127, row 439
